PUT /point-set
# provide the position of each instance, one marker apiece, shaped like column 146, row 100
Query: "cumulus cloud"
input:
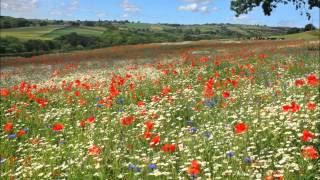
column 19, row 5
column 202, row 6
column 129, row 7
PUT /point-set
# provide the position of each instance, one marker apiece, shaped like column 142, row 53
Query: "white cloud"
column 129, row 7
column 198, row 1
column 100, row 14
column 194, row 7
column 18, row 5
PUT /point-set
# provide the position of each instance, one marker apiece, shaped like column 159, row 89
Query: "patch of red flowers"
column 293, row 107
column 127, row 120
column 310, row 152
column 311, row 106
column 312, row 80
column 149, row 125
column 57, row 127
column 240, row 128
column 155, row 141
column 307, row 136
column 194, row 168
column 94, row 150
column 8, row 127
column 168, row 147
column 299, row 82
column 4, row 92
column 21, row 133
column 225, row 94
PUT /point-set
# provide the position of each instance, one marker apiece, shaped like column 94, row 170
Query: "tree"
column 244, row 6
column 309, row 27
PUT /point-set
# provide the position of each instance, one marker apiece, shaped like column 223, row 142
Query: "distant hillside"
column 309, row 35
column 50, row 29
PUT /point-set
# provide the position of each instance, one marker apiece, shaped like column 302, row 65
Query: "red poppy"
column 294, row 107
column 286, row 108
column 57, row 127
column 147, row 135
column 94, row 150
column 149, row 125
column 312, row 80
column 194, row 169
column 77, row 93
column 155, row 98
column 90, row 119
column 299, row 82
column 21, row 132
column 82, row 123
column 240, row 128
column 165, row 91
column 8, row 127
column 4, row 92
column 307, row 136
column 225, row 94
column 155, row 140
column 140, row 103
column 208, row 88
column 310, row 152
column 311, row 106
column 168, row 148
column 275, row 176
column 127, row 120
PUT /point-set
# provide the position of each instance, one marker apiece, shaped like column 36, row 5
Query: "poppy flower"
column 57, row 127
column 225, row 94
column 155, row 140
column 194, row 169
column 307, row 136
column 311, row 106
column 90, row 119
column 275, row 176
column 168, row 148
column 4, row 92
column 8, row 127
column 155, row 99
column 149, row 125
column 140, row 103
column 299, row 82
column 312, row 80
column 240, row 128
column 310, row 152
column 21, row 133
column 147, row 135
column 165, row 91
column 77, row 93
column 127, row 120
column 82, row 123
column 94, row 150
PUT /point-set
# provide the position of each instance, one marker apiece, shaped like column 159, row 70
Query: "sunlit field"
column 202, row 110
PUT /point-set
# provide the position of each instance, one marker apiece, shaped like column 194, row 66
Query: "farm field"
column 190, row 110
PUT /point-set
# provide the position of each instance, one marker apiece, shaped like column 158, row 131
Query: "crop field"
column 194, row 110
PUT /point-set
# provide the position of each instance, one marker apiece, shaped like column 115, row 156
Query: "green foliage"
column 244, row 6
column 309, row 27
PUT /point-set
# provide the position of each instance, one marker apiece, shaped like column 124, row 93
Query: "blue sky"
column 153, row 11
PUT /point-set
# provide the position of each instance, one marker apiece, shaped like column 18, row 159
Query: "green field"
column 30, row 32
column 309, row 35
column 50, row 32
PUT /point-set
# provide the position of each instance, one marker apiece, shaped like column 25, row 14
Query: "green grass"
column 309, row 35
column 82, row 30
column 30, row 32
column 50, row 32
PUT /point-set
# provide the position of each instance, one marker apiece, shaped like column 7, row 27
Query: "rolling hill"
column 309, row 35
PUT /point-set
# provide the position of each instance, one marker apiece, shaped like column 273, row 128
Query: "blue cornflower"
column 152, row 166
column 230, row 154
column 248, row 160
column 12, row 136
column 193, row 129
column 120, row 101
column 210, row 102
column 100, row 105
column 132, row 166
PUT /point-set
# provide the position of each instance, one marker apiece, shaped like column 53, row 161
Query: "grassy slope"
column 29, row 32
column 304, row 35
column 50, row 32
